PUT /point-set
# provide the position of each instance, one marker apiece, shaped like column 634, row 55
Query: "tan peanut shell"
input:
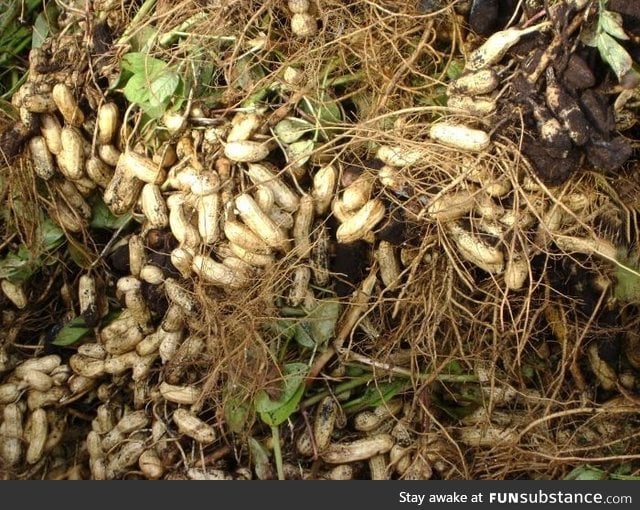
column 250, row 257
column 71, row 158
column 180, row 394
column 67, row 104
column 110, row 154
column 98, row 171
column 303, row 25
column 259, row 222
column 15, row 293
column 361, row 449
column 51, row 130
column 123, row 190
column 243, row 125
column 217, row 273
column 396, row 155
column 283, row 195
column 360, row 224
column 194, row 427
column 246, row 151
column 475, row 84
column 208, row 207
column 388, row 263
column 241, row 235
column 150, row 464
column 44, row 364
column 459, row 137
column 141, row 167
column 36, row 435
column 302, row 222
column 324, row 185
column 41, row 158
column 107, row 120
column 324, row 422
column 358, row 193
column 476, row 250
column 451, row 206
column 154, row 206
column 11, row 435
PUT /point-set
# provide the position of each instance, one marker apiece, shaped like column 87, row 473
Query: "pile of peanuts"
column 234, row 215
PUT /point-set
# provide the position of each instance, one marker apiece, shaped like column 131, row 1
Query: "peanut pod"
column 361, row 449
column 51, row 130
column 208, row 207
column 180, row 394
column 283, row 195
column 246, row 151
column 324, row 185
column 459, row 137
column 67, row 104
column 217, row 273
column 360, row 224
column 41, row 158
column 302, row 226
column 477, row 251
column 36, row 435
column 194, row 427
column 154, row 207
column 260, row 223
column 71, row 158
column 107, row 121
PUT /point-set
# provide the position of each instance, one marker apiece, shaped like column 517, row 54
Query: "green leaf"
column 141, row 39
column 300, row 152
column 611, row 23
column 102, row 217
column 275, row 412
column 141, row 63
column 260, row 458
column 589, row 33
column 303, row 335
column 137, row 89
column 80, row 255
column 283, row 328
column 614, row 54
column 375, row 395
column 236, row 413
column 627, row 286
column 52, row 234
column 18, row 266
column 72, row 332
column 322, row 320
column 454, row 69
column 162, row 87
column 40, row 30
column 586, row 473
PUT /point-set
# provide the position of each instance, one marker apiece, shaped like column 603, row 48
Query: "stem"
column 181, row 30
column 346, row 78
column 366, row 379
column 277, row 453
column 145, row 8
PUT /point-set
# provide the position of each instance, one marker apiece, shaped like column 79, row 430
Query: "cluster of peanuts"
column 497, row 218
column 303, row 24
column 388, row 446
column 31, row 425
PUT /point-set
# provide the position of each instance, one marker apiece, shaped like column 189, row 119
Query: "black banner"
column 325, row 495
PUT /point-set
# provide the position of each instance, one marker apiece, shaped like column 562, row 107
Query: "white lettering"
column 407, row 497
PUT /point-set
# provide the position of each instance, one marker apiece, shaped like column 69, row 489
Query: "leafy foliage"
column 275, row 412
column 603, row 34
column 149, row 82
column 19, row 265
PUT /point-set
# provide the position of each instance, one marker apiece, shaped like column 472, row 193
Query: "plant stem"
column 277, row 453
column 145, row 8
